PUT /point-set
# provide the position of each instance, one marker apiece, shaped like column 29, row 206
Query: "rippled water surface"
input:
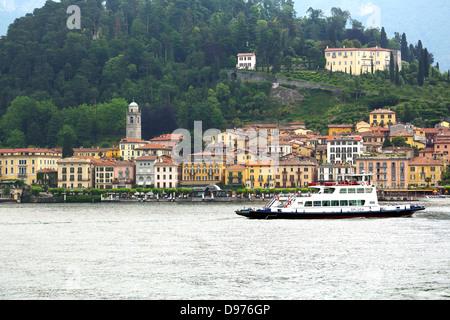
column 205, row 251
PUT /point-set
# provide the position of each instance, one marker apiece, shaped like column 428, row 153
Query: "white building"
column 246, row 61
column 145, row 171
column 344, row 149
column 167, row 174
column 328, row 172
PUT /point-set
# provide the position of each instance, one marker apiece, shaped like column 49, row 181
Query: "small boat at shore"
column 435, row 198
column 354, row 196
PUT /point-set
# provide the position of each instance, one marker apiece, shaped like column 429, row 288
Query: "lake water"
column 170, row 251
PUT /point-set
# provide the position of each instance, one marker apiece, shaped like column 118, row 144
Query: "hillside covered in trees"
column 172, row 58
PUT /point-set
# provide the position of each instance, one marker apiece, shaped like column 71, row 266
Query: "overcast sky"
column 421, row 20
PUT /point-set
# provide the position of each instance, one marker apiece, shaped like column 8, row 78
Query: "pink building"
column 124, row 174
column 389, row 171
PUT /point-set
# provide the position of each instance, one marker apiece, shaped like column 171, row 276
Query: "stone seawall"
column 247, row 76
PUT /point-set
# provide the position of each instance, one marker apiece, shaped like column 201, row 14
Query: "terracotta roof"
column 93, row 149
column 382, row 111
column 402, row 133
column 132, row 140
column 29, row 150
column 105, row 163
column 166, row 137
column 153, row 146
column 358, row 49
column 166, row 164
column 295, row 163
column 146, row 158
column 421, row 161
column 236, row 167
column 340, row 126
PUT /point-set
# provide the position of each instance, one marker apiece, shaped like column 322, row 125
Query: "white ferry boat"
column 353, row 196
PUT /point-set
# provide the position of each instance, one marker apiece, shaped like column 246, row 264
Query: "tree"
column 387, row 143
column 404, row 48
column 392, row 68
column 6, row 192
column 397, row 76
column 383, row 40
column 16, row 139
column 399, row 142
column 421, row 73
column 426, row 63
column 67, row 139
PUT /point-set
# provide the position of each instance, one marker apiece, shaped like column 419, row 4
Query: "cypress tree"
column 404, row 48
column 392, row 68
column 397, row 76
column 383, row 41
column 426, row 63
column 420, row 74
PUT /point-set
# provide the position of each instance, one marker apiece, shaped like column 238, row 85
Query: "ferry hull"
column 266, row 214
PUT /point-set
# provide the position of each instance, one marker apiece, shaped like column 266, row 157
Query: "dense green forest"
column 171, row 57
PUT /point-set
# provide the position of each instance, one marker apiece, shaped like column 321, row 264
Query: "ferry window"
column 368, row 190
column 343, row 190
column 361, row 202
column 344, row 203
column 328, row 191
column 325, row 203
column 351, row 190
column 335, row 203
column 317, row 203
column 352, row 202
column 360, row 190
column 308, row 204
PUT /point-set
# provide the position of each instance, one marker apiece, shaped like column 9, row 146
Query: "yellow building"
column 76, row 173
column 202, row 169
column 424, row 172
column 294, row 174
column 410, row 139
column 97, row 153
column 260, row 174
column 26, row 162
column 104, row 174
column 153, row 149
column 443, row 124
column 382, row 118
column 360, row 60
column 128, row 148
column 362, row 126
column 339, row 129
column 235, row 175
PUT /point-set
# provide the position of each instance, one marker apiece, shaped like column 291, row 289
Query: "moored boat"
column 353, row 196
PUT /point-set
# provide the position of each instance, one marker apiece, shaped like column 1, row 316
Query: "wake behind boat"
column 354, row 196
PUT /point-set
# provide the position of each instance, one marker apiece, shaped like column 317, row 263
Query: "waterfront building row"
column 391, row 170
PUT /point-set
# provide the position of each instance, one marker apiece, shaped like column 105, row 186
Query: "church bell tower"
column 134, row 121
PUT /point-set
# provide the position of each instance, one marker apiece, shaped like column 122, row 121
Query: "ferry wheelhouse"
column 352, row 196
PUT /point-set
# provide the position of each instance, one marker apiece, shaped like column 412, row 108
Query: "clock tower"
column 134, row 121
